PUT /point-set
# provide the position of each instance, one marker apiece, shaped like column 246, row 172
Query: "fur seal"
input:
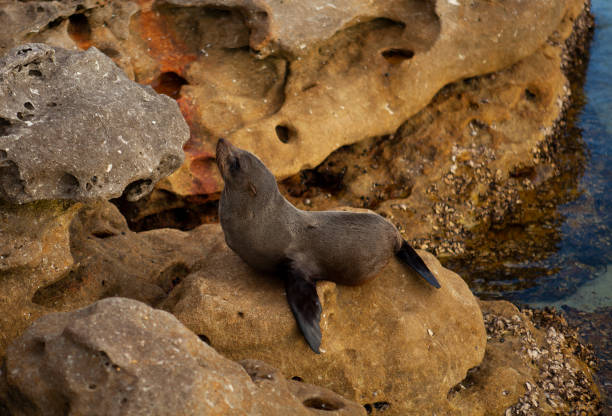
column 271, row 235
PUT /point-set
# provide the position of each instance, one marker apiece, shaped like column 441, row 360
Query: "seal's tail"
column 407, row 255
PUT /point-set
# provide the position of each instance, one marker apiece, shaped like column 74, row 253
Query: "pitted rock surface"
column 34, row 253
column 73, row 126
column 363, row 79
column 119, row 356
column 288, row 28
column 390, row 345
column 393, row 340
column 294, row 81
column 24, row 21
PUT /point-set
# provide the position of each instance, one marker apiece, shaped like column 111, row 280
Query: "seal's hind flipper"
column 407, row 255
column 304, row 303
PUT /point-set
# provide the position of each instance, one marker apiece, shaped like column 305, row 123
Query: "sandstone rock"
column 362, row 81
column 111, row 260
column 73, row 126
column 393, row 342
column 325, row 74
column 58, row 257
column 391, row 345
column 483, row 152
column 34, row 253
column 119, row 356
column 288, row 28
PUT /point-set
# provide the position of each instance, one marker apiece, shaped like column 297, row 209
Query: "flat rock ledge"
column 74, row 126
column 119, row 356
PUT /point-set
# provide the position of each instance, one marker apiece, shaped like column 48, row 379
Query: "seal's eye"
column 234, row 164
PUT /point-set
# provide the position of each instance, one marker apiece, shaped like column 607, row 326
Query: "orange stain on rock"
column 173, row 56
column 199, row 154
column 163, row 45
column 79, row 31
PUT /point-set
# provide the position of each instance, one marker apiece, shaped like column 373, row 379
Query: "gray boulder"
column 73, row 126
column 121, row 357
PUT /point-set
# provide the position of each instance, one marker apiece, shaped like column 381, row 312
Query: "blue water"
column 583, row 262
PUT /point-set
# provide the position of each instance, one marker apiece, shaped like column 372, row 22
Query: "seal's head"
column 242, row 171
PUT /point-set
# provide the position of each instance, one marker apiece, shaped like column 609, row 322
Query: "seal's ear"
column 252, row 189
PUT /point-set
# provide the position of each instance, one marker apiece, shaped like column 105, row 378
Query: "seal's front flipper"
column 304, row 303
column 412, row 259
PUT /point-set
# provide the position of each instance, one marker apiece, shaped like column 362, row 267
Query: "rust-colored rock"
column 325, row 74
column 119, row 356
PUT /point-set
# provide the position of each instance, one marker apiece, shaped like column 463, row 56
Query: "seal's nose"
column 224, row 146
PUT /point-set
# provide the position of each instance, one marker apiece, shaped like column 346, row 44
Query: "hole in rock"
column 39, row 347
column 35, row 73
column 4, row 126
column 323, row 404
column 241, row 314
column 68, row 184
column 382, row 406
column 204, row 338
column 79, row 29
column 169, row 83
column 309, row 86
column 24, row 117
column 103, row 234
column 88, row 186
column 29, row 105
column 92, row 387
column 467, row 382
column 110, row 52
column 55, row 23
column 297, row 378
column 23, row 52
column 173, row 212
column 530, row 95
column 368, row 408
column 284, row 133
column 40, row 9
column 51, row 104
column 397, row 56
column 105, row 358
column 172, row 276
column 3, row 154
